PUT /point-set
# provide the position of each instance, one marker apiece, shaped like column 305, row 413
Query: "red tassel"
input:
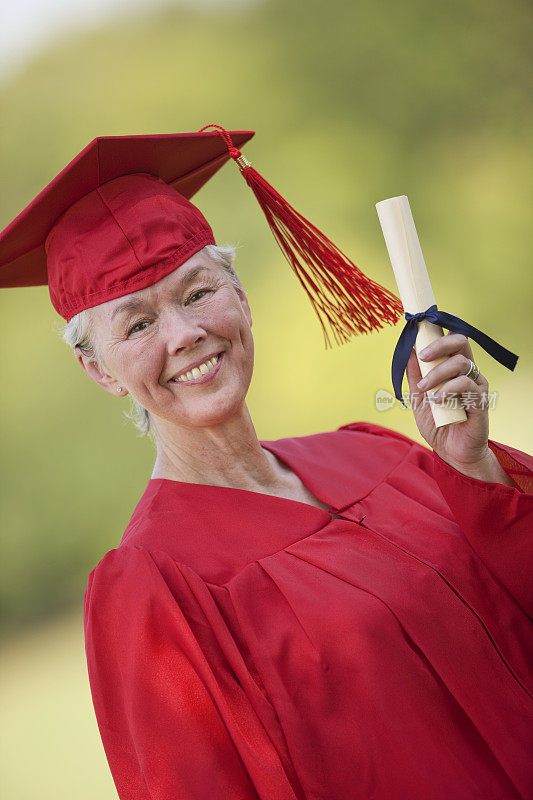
column 342, row 296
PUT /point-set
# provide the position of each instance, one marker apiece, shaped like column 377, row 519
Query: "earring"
column 119, row 389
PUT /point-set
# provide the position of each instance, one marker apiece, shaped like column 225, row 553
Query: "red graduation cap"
column 118, row 218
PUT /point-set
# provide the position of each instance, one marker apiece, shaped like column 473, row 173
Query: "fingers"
column 454, row 367
column 447, row 345
column 472, row 395
column 450, row 375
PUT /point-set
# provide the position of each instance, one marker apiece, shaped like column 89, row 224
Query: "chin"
column 214, row 413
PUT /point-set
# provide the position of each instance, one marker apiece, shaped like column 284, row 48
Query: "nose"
column 182, row 331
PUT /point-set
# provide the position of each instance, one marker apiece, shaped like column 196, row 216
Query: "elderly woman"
column 338, row 616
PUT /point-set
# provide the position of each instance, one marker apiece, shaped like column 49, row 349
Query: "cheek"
column 227, row 320
column 140, row 361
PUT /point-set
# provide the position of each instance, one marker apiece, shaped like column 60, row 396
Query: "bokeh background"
column 353, row 101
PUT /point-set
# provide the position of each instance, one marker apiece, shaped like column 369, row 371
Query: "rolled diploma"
column 414, row 287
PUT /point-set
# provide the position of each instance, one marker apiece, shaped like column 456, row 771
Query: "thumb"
column 413, row 371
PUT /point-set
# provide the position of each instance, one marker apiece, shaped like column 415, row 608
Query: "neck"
column 228, row 454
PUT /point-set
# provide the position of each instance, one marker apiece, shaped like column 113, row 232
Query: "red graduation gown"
column 243, row 646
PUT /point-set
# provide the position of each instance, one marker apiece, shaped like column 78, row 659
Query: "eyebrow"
column 136, row 302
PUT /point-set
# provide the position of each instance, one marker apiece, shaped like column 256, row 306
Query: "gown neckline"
column 330, row 512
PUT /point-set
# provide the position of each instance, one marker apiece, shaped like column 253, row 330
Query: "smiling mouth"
column 198, row 372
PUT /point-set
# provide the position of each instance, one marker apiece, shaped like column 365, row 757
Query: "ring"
column 473, row 372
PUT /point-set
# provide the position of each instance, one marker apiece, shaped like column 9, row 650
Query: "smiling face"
column 182, row 347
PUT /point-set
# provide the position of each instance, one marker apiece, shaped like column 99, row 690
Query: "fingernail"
column 424, row 353
column 422, row 383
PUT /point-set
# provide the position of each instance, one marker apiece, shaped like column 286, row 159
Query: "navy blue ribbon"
column 450, row 322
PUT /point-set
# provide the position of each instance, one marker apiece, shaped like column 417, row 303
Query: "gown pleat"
column 241, row 645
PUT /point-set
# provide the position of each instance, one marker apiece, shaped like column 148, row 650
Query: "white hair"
column 78, row 332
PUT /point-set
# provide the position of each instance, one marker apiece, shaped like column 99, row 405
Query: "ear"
column 103, row 379
column 244, row 303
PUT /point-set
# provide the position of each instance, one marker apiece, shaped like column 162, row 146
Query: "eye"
column 139, row 326
column 195, row 296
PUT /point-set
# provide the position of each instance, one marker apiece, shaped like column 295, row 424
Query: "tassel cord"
column 345, row 300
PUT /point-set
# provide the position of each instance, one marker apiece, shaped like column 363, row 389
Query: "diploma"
column 414, row 288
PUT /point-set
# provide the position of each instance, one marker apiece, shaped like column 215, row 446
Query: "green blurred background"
column 352, row 102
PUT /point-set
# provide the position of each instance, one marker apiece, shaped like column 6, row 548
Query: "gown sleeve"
column 168, row 729
column 496, row 519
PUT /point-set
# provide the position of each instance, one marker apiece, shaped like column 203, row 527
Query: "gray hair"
column 78, row 332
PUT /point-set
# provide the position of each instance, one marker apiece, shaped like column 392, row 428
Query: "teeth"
column 197, row 372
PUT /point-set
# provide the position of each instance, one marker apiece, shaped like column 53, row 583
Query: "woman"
column 335, row 616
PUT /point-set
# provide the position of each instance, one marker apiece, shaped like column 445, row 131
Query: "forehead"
column 197, row 266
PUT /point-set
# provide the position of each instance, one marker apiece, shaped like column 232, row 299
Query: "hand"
column 463, row 445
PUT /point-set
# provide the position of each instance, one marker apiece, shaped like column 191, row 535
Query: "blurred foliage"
column 352, row 102
column 46, row 710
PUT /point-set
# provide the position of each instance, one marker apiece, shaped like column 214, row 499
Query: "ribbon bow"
column 408, row 336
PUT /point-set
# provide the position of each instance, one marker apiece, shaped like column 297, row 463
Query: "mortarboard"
column 118, row 218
